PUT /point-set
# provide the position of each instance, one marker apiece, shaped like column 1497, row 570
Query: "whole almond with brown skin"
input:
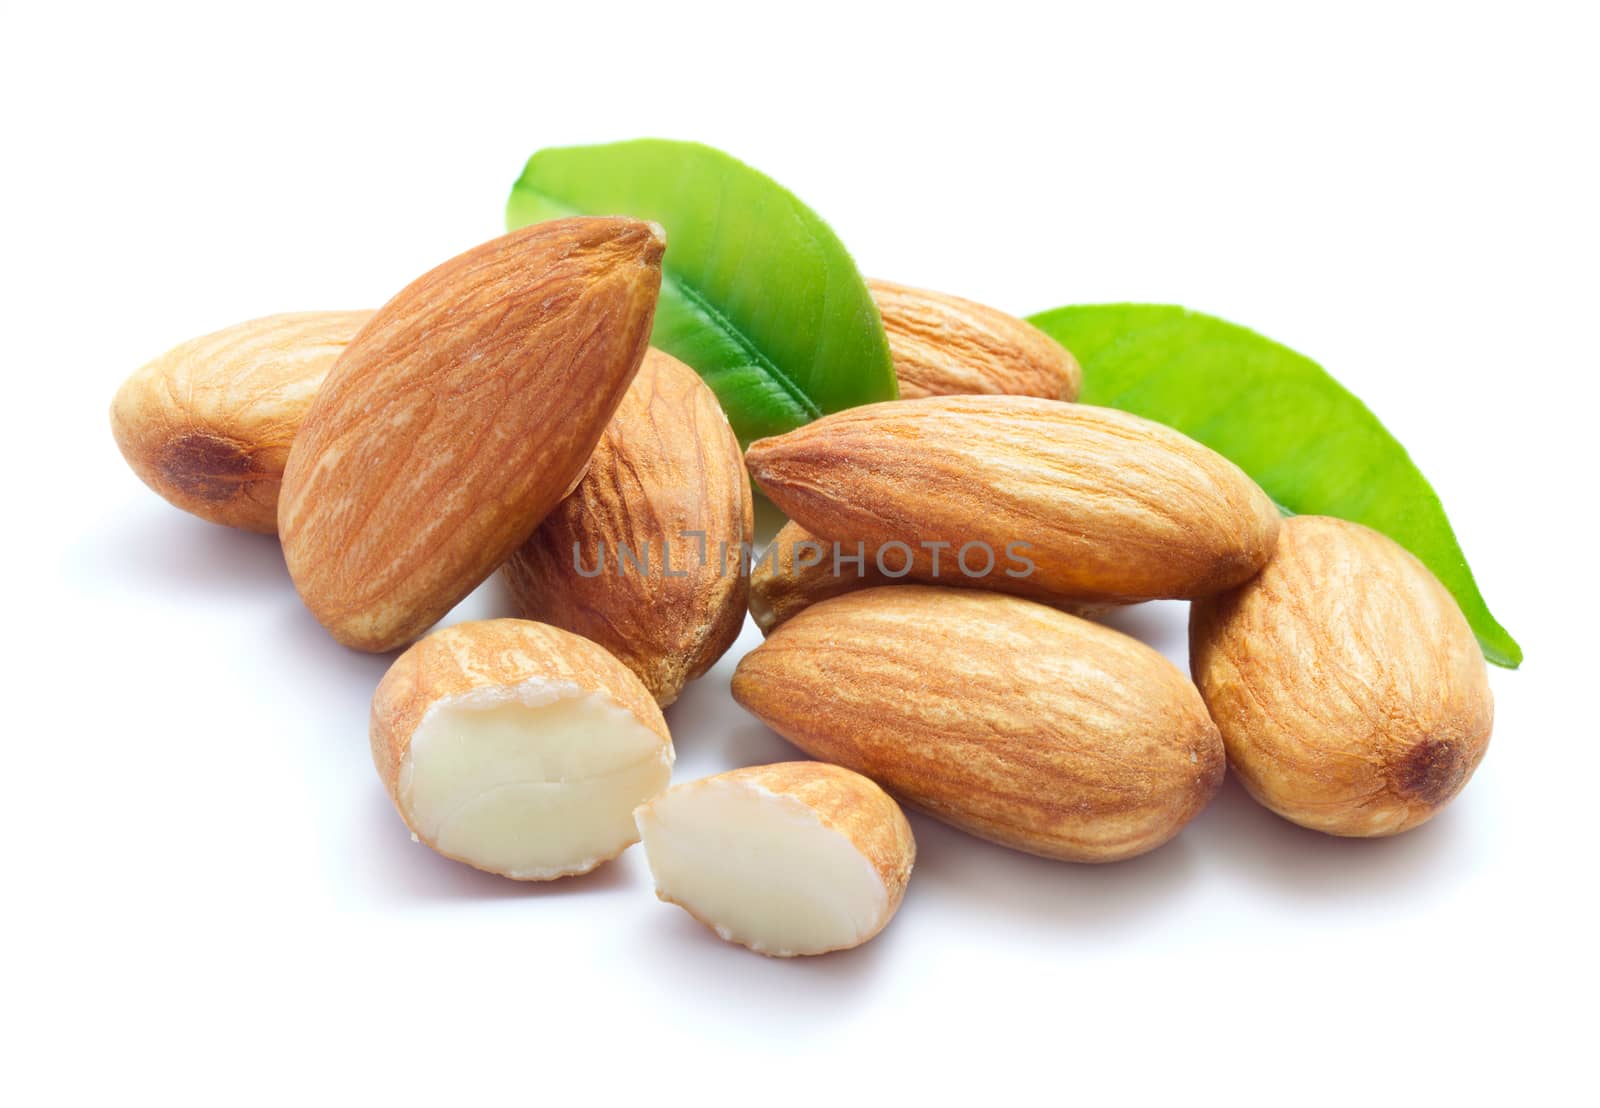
column 1106, row 506
column 208, row 424
column 459, row 416
column 1351, row 693
column 798, row 569
column 945, row 346
column 644, row 557
column 1010, row 720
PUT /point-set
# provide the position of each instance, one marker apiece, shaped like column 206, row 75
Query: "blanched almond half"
column 788, row 859
column 518, row 748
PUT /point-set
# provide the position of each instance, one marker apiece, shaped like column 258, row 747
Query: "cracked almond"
column 790, row 859
column 517, row 748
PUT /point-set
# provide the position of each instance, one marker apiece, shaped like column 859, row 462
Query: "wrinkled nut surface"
column 797, row 569
column 457, row 420
column 944, row 345
column 1008, row 719
column 1033, row 497
column 644, row 557
column 518, row 748
column 789, row 859
column 208, row 424
column 1351, row 693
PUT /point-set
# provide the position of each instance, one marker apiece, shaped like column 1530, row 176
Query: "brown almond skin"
column 1351, row 693
column 458, row 418
column 668, row 466
column 488, row 654
column 943, row 346
column 1114, row 508
column 208, row 424
column 797, row 570
column 1010, row 720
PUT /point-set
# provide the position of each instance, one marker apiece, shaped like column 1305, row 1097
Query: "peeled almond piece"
column 943, row 345
column 208, row 424
column 518, row 748
column 788, row 859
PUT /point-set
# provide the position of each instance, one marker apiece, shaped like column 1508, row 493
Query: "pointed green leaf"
column 1310, row 443
column 757, row 292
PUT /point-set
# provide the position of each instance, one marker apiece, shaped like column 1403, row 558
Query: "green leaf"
column 1314, row 447
column 757, row 292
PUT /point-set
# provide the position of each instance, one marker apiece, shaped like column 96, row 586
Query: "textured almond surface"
column 458, row 418
column 787, row 859
column 208, row 424
column 1013, row 721
column 667, row 478
column 1111, row 507
column 1352, row 695
column 492, row 666
column 944, row 345
column 798, row 569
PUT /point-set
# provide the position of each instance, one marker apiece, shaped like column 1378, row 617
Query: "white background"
column 210, row 895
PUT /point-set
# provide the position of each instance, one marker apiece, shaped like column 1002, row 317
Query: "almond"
column 944, row 345
column 457, row 420
column 795, row 858
column 798, row 569
column 517, row 748
column 1061, row 502
column 644, row 557
column 1352, row 695
column 208, row 424
column 1010, row 720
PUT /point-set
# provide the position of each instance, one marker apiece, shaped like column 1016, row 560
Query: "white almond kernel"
column 518, row 748
column 789, row 859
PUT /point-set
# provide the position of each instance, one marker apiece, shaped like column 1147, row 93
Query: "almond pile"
column 928, row 608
